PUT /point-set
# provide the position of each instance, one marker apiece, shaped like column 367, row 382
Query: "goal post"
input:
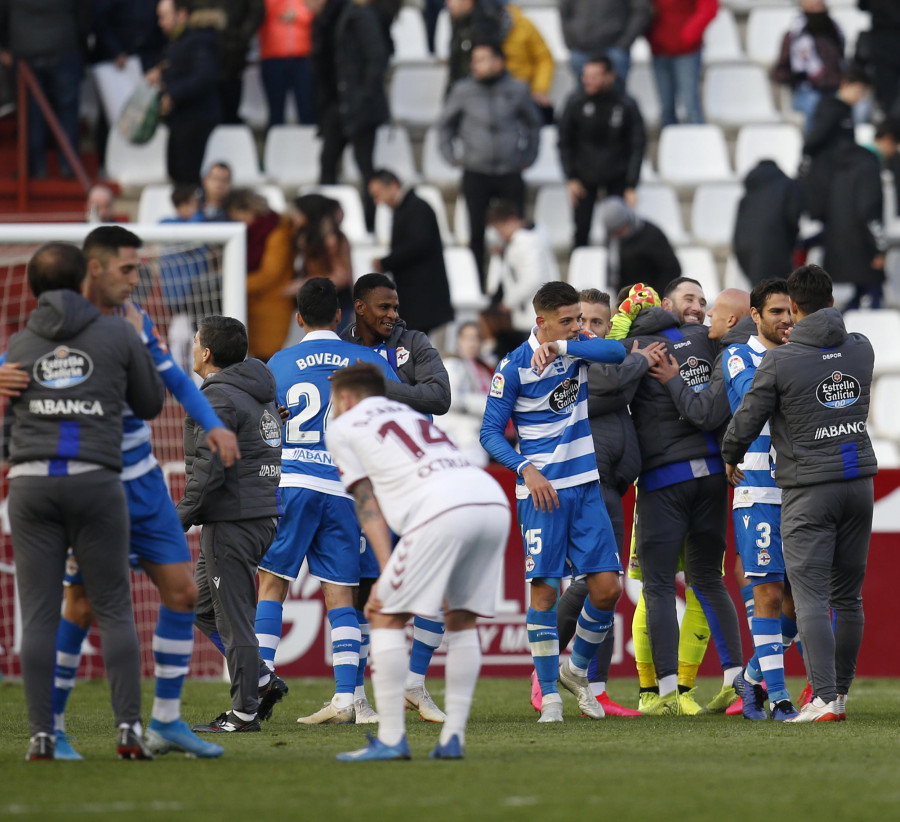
column 187, row 271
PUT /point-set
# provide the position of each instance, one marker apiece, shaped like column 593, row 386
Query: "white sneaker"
column 551, row 709
column 581, row 689
column 365, row 713
column 841, row 704
column 420, row 700
column 329, row 714
column 817, row 710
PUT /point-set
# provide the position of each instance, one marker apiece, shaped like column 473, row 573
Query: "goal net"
column 187, row 271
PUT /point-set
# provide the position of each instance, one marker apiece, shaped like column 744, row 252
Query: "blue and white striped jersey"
column 137, row 453
column 740, row 364
column 302, row 386
column 549, row 411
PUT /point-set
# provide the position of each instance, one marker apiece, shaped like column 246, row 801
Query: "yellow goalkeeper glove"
column 639, row 297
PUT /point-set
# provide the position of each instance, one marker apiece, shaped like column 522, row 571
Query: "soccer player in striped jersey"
column 542, row 386
column 757, row 512
column 319, row 522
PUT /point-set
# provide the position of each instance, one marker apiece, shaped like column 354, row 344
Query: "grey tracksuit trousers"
column 230, row 553
column 89, row 512
column 825, row 532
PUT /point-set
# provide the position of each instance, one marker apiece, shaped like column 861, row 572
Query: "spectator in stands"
column 498, row 335
column 883, row 43
column 887, row 147
column 472, row 22
column 601, row 143
column 470, row 382
column 350, row 58
column 187, row 78
column 676, row 40
column 610, row 27
column 216, row 185
column 768, row 222
column 387, row 11
column 285, row 41
column 416, row 258
column 270, row 253
column 638, row 250
column 242, row 20
column 527, row 262
column 830, row 132
column 855, row 242
column 431, row 11
column 128, row 27
column 496, row 122
column 187, row 205
column 812, row 57
column 51, row 37
column 322, row 249
column 100, row 205
column 528, row 59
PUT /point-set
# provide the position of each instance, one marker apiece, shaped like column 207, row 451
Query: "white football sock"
column 390, row 657
column 463, row 666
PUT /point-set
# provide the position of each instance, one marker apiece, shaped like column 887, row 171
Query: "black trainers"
column 270, row 695
column 130, row 743
column 40, row 747
column 228, row 723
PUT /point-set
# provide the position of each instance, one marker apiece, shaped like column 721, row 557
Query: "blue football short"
column 757, row 535
column 156, row 533
column 321, row 528
column 572, row 540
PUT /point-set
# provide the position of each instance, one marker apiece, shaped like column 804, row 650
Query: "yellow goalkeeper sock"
column 643, row 658
column 692, row 641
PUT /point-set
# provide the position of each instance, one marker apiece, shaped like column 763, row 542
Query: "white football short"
column 453, row 561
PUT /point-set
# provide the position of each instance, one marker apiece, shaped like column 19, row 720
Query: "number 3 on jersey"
column 307, row 394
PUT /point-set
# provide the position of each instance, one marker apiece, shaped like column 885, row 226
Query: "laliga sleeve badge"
column 497, row 385
column 735, row 366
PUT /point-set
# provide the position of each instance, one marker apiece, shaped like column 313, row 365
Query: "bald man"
column 730, row 306
column 100, row 205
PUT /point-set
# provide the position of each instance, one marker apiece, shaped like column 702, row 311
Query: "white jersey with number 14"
column 415, row 469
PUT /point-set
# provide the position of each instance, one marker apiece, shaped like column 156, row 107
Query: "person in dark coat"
column 639, row 251
column 471, row 22
column 855, row 243
column 126, row 27
column 187, row 77
column 830, row 130
column 349, row 59
column 883, row 43
column 768, row 222
column 601, row 143
column 416, row 259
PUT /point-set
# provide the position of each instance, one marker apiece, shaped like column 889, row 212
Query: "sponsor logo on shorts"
column 498, row 383
column 563, row 398
column 763, row 557
column 695, row 373
column 63, row 367
column 826, row 432
column 838, row 390
column 270, row 430
column 746, row 519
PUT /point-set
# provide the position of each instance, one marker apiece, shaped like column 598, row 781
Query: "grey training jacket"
column 84, row 367
column 243, row 395
column 816, row 392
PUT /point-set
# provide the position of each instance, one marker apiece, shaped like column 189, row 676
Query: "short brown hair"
column 594, row 295
column 553, row 295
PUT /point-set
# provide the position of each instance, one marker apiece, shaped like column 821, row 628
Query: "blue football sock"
column 173, row 642
column 770, row 653
column 543, row 637
column 268, row 629
column 364, row 631
column 345, row 642
column 593, row 625
column 69, row 639
column 427, row 637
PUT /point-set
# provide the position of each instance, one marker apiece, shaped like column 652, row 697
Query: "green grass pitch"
column 687, row 769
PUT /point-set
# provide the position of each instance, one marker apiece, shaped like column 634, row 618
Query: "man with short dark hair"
column 416, row 257
column 542, row 387
column 65, row 489
column 816, row 393
column 496, row 125
column 238, row 507
column 216, row 185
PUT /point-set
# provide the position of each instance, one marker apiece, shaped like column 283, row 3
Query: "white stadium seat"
column 721, row 40
column 291, row 155
column 435, row 169
column 461, row 220
column 738, row 94
column 734, row 275
column 588, row 268
column 766, row 27
column 700, row 264
column 442, row 34
column 553, row 214
column 132, row 165
column 462, row 274
column 546, row 168
column 640, row 51
column 236, row 146
column 393, row 151
column 642, row 86
column 887, row 453
column 852, row 21
column 659, row 203
column 714, row 212
column 562, row 87
column 155, row 203
column 781, row 142
column 885, row 401
column 354, row 224
column 361, row 257
column 547, row 21
column 882, row 327
column 410, row 39
column 417, row 93
column 689, row 155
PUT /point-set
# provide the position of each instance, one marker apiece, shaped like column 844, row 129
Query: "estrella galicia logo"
column 63, row 367
column 563, row 398
column 270, row 430
column 838, row 390
column 695, row 373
